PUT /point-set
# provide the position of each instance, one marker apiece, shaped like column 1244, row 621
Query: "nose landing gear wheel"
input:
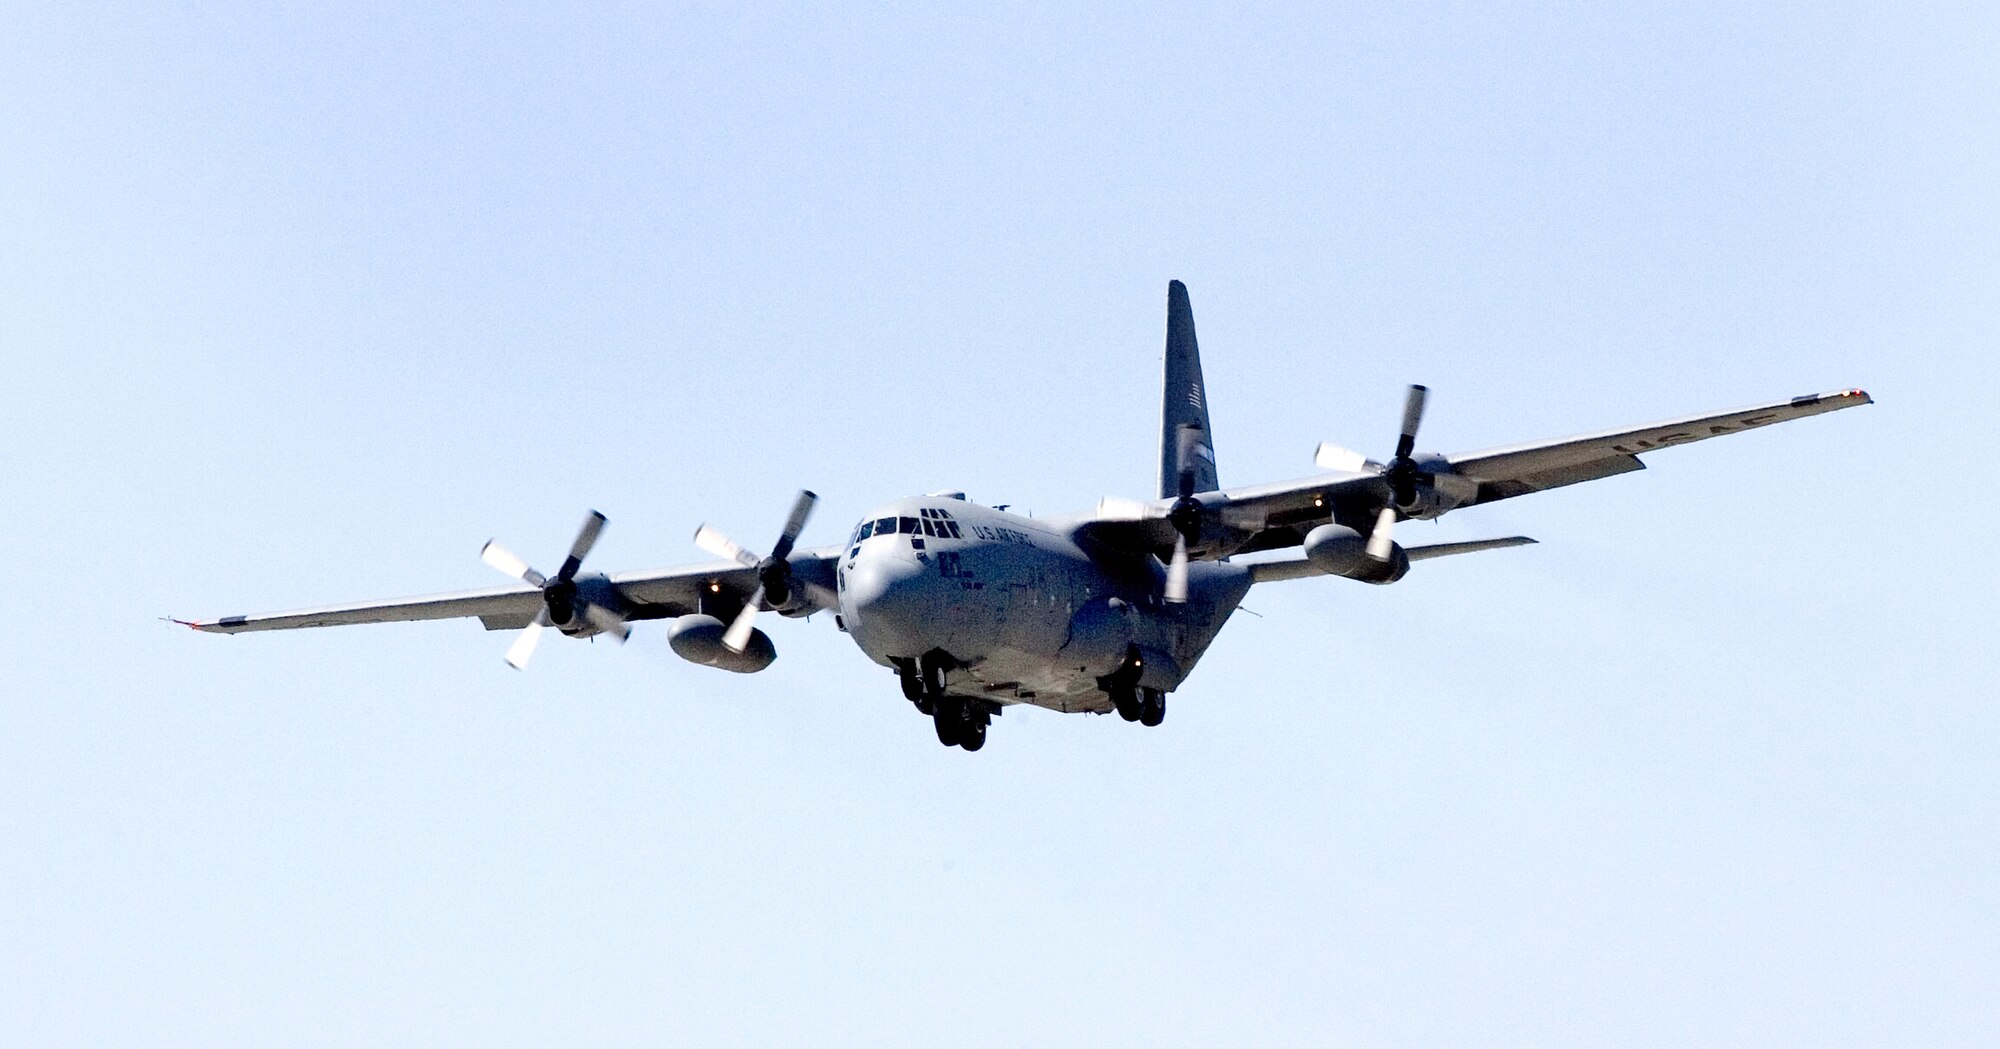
column 1126, row 699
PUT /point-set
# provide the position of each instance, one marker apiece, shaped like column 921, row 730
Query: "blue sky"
column 302, row 304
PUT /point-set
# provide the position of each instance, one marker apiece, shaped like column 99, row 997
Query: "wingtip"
column 1849, row 398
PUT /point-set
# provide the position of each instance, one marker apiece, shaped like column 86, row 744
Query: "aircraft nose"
column 886, row 604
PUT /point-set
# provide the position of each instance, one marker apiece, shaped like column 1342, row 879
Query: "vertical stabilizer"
column 1184, row 402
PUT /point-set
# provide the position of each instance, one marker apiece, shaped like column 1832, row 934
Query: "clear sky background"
column 302, row 303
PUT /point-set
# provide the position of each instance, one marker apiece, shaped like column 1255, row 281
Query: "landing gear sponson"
column 961, row 721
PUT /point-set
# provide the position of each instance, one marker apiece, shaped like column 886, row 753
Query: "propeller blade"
column 802, row 508
column 1413, row 413
column 505, row 560
column 523, row 648
column 1177, row 573
column 737, row 637
column 607, row 622
column 724, row 547
column 1382, row 539
column 1184, row 456
column 1119, row 508
column 586, row 537
column 1342, row 460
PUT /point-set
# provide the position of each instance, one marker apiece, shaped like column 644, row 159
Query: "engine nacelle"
column 1339, row 550
column 698, row 639
column 1444, row 492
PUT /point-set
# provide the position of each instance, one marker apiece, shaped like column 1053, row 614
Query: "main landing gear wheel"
column 948, row 714
column 960, row 721
column 1152, row 707
column 913, row 686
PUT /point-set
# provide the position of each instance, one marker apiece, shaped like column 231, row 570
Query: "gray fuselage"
column 1024, row 614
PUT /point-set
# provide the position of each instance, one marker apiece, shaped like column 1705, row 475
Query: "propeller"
column 774, row 573
column 1185, row 516
column 558, row 591
column 1402, row 475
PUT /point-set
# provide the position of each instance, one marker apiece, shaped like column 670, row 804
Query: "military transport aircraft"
column 977, row 609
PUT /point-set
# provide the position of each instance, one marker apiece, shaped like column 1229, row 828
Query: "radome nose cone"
column 885, row 601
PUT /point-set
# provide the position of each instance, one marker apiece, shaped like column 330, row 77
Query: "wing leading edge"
column 1503, row 473
column 651, row 594
column 1278, row 515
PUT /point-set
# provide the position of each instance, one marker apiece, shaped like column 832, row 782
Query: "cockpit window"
column 931, row 522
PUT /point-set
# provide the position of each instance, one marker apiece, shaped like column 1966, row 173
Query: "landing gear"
column 960, row 721
column 949, row 714
column 1148, row 706
column 913, row 685
column 1126, row 699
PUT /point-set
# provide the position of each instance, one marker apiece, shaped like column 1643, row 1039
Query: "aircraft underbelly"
column 1038, row 678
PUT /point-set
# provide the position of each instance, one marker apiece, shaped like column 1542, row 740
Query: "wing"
column 499, row 608
column 1502, row 473
column 652, row 594
column 1276, row 516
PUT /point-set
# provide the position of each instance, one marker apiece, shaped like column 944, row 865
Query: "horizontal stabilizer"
column 1300, row 568
column 1425, row 553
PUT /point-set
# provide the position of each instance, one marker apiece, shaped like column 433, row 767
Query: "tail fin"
column 1184, row 402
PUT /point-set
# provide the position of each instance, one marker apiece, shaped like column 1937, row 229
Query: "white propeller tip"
column 523, row 648
column 1119, row 508
column 737, row 637
column 1339, row 460
column 1177, row 575
column 507, row 561
column 1382, row 540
